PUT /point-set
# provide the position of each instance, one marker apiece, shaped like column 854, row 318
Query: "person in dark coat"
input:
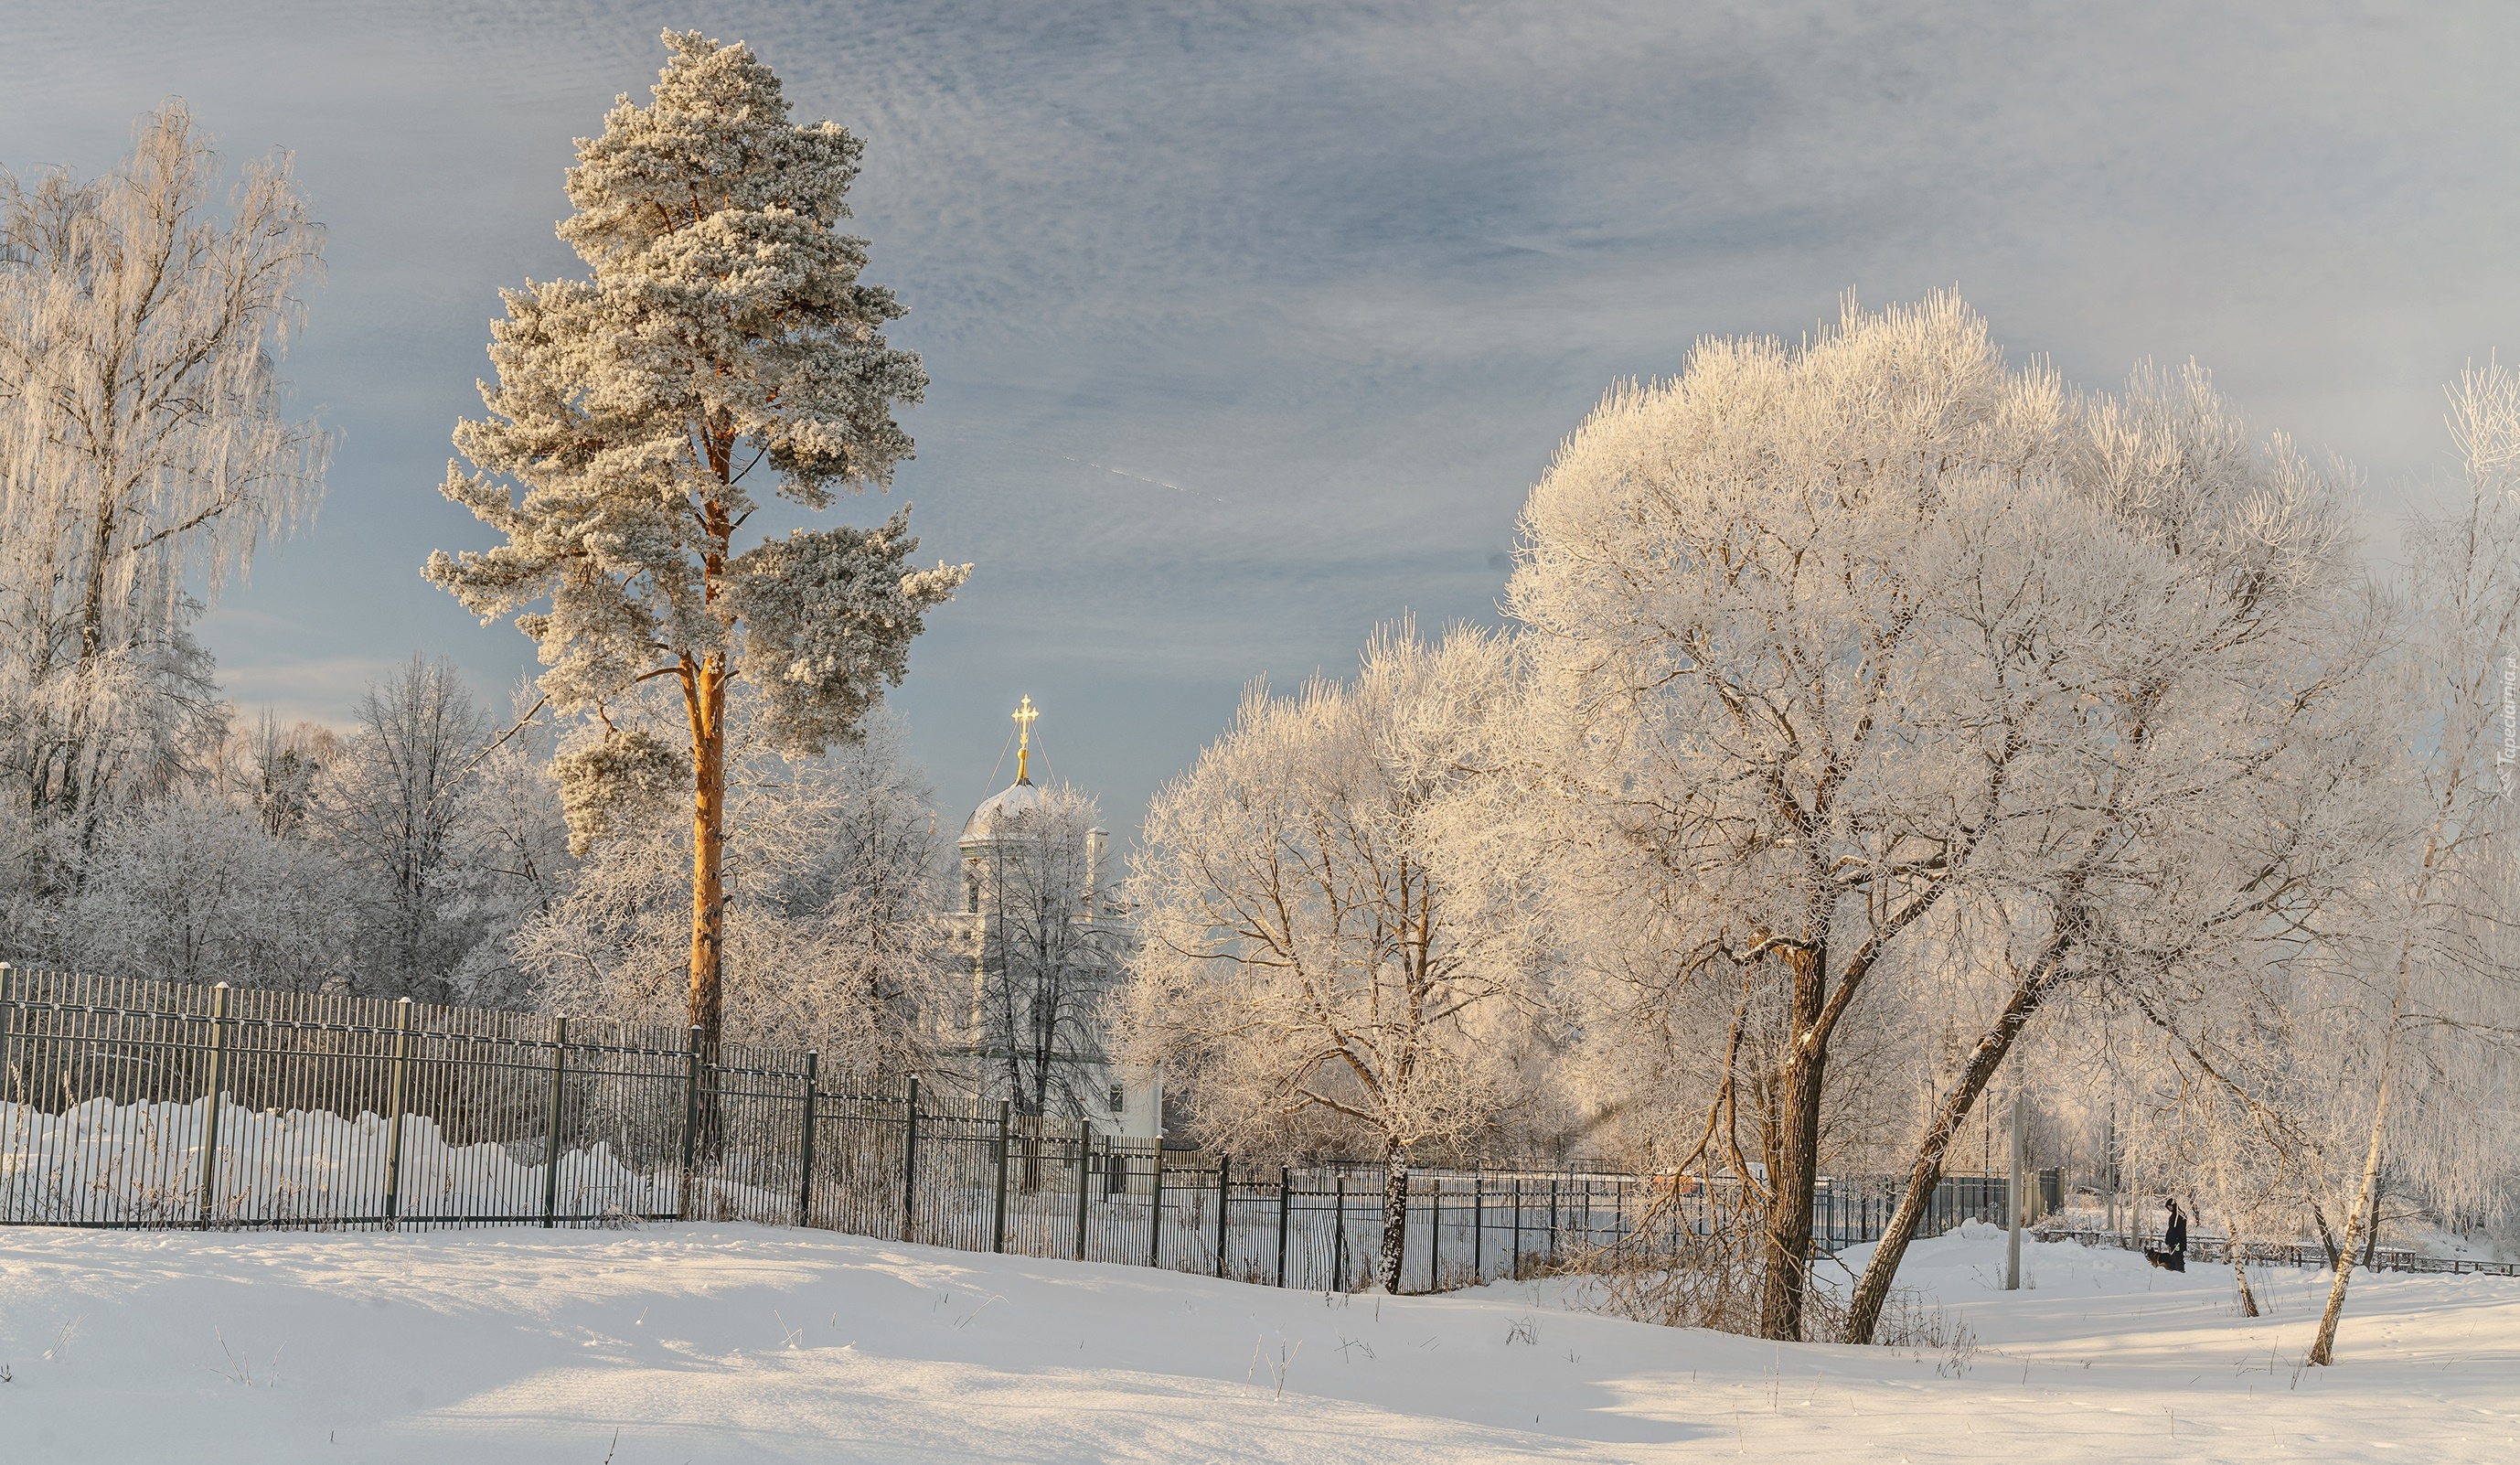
column 2172, row 1254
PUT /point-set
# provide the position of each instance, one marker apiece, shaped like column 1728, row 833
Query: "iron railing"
column 127, row 1103
column 2205, row 1247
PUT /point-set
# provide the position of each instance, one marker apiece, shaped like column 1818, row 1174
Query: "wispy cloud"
column 1250, row 324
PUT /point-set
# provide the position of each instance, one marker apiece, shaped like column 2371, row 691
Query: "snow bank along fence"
column 128, row 1103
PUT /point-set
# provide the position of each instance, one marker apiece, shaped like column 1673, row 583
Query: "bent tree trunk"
column 1786, row 1274
column 2366, row 1200
column 1395, row 1215
column 1864, row 1314
column 2327, row 1237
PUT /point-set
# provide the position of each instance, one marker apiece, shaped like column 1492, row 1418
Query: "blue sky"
column 1250, row 324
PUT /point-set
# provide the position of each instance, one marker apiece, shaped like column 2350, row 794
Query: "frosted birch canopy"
column 146, row 451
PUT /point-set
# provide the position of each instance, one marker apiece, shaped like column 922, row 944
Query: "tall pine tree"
column 725, row 332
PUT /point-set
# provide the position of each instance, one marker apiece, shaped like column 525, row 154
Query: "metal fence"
column 2203, row 1247
column 141, row 1103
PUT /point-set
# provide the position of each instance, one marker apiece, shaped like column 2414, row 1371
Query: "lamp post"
column 2012, row 1236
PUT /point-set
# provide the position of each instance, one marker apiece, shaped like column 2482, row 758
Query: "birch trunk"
column 1395, row 1215
column 2323, row 1350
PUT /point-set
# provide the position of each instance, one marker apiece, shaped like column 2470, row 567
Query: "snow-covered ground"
column 736, row 1343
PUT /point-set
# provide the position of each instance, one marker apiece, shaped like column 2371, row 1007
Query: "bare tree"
column 276, row 771
column 145, row 455
column 1842, row 646
column 515, row 864
column 1726, row 576
column 193, row 888
column 2362, row 1044
column 1313, row 946
column 872, row 900
column 398, row 807
column 2417, row 967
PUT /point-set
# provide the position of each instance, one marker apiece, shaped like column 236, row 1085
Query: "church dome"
column 1001, row 809
column 1016, row 798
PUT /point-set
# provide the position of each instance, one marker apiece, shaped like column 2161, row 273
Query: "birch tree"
column 725, row 331
column 2444, row 903
column 1308, row 951
column 2406, row 1011
column 145, row 454
column 2366, row 1044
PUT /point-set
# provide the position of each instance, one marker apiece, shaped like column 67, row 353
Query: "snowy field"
column 708, row 1344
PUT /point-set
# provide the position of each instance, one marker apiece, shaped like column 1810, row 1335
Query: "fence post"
column 1286, row 1183
column 691, row 1123
column 1084, row 1152
column 998, row 1229
column 1338, row 1233
column 1224, row 1193
column 1552, row 1220
column 910, row 1161
column 1478, row 1226
column 394, row 1088
column 1434, row 1229
column 1516, row 1273
column 559, row 1099
column 8, row 1028
column 1155, row 1211
column 805, row 1166
column 210, row 1099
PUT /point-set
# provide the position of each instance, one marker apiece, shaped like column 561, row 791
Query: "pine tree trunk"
column 705, row 699
column 1395, row 1215
column 1791, row 1183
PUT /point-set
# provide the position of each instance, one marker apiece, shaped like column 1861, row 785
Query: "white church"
column 1046, row 942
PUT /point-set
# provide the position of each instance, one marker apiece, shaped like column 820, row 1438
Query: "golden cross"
column 1023, row 717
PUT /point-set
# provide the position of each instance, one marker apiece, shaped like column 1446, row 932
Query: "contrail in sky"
column 1140, row 477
